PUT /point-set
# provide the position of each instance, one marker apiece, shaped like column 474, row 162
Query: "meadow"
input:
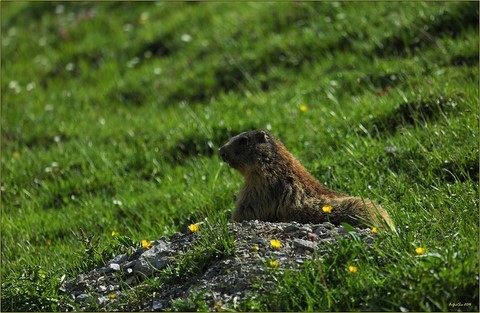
column 112, row 114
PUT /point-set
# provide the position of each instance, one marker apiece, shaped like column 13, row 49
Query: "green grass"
column 100, row 107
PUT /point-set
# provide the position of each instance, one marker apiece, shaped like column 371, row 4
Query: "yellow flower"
column 273, row 263
column 194, row 228
column 143, row 18
column 218, row 305
column 255, row 248
column 16, row 155
column 374, row 230
column 275, row 243
column 48, row 242
column 327, row 209
column 114, row 234
column 353, row 269
column 112, row 296
column 146, row 244
column 303, row 108
column 420, row 250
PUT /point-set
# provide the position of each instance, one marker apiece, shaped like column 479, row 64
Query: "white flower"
column 70, row 67
column 186, row 38
column 15, row 86
column 31, row 86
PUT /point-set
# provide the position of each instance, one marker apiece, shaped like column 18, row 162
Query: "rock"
column 322, row 232
column 119, row 259
column 225, row 279
column 153, row 260
column 129, row 265
column 134, row 256
column 306, row 229
column 238, row 287
column 292, row 228
column 328, row 225
column 157, row 305
column 66, row 286
column 129, row 280
column 342, row 230
column 304, row 244
column 259, row 241
column 102, row 300
column 104, row 270
column 114, row 266
column 83, row 298
column 101, row 288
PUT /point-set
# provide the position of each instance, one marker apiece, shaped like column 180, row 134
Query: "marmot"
column 279, row 189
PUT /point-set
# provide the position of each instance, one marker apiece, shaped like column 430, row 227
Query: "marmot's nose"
column 222, row 153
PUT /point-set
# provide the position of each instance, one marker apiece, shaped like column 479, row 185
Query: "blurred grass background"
column 112, row 114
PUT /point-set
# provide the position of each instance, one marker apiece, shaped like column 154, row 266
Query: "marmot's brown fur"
column 279, row 189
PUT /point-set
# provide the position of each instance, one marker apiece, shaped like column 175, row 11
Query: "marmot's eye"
column 242, row 141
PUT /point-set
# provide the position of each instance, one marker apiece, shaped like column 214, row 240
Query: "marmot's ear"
column 262, row 136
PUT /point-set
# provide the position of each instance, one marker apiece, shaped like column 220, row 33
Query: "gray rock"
column 135, row 255
column 114, row 266
column 102, row 300
column 154, row 259
column 259, row 241
column 119, row 259
column 83, row 298
column 101, row 288
column 306, row 229
column 66, row 286
column 322, row 232
column 129, row 264
column 157, row 305
column 342, row 230
column 328, row 225
column 226, row 278
column 304, row 244
column 292, row 228
column 129, row 280
column 104, row 270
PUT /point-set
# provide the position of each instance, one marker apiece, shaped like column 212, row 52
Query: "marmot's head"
column 249, row 151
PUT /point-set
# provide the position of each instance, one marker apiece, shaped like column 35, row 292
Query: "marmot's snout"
column 223, row 154
column 228, row 156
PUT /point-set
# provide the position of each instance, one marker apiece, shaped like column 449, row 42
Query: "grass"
column 112, row 114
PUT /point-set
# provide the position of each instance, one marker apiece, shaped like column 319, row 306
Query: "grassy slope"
column 110, row 105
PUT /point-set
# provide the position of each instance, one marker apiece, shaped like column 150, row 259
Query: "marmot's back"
column 279, row 189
